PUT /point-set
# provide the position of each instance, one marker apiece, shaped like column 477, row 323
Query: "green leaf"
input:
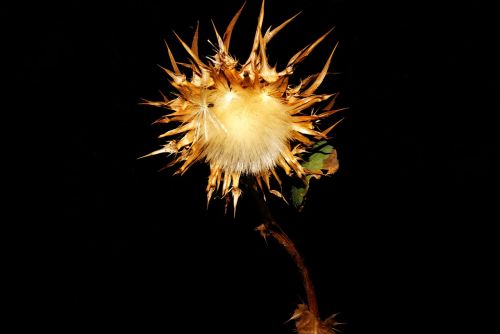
column 321, row 160
column 298, row 194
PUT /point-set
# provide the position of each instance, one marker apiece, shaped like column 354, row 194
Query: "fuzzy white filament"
column 257, row 129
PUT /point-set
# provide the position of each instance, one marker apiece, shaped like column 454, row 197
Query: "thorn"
column 279, row 195
column 236, row 192
column 331, row 112
column 321, row 75
column 190, row 52
column 229, row 30
column 271, row 33
column 194, row 44
column 209, row 196
column 325, row 133
column 219, row 39
column 172, row 59
column 258, row 31
column 331, row 103
column 167, row 148
column 302, row 54
column 264, row 233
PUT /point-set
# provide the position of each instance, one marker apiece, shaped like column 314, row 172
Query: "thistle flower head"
column 243, row 119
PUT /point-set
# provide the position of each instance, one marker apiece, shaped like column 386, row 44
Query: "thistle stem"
column 271, row 228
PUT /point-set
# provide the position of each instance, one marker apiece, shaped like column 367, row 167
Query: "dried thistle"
column 243, row 119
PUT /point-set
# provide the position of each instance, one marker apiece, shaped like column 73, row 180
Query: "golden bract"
column 243, row 119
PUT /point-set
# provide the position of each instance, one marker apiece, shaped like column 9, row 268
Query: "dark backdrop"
column 398, row 241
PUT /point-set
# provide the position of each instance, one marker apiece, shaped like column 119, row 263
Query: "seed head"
column 243, row 119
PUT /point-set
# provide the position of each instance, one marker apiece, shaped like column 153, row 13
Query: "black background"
column 399, row 240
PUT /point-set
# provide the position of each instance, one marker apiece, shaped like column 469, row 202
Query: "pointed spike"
column 163, row 103
column 180, row 129
column 169, row 165
column 298, row 149
column 162, row 120
column 283, row 164
column 332, row 316
column 262, row 51
column 211, row 178
column 303, row 139
column 308, row 79
column 230, row 27
column 297, row 167
column 194, row 44
column 219, row 39
column 219, row 175
column 168, row 119
column 331, row 103
column 190, row 52
column 271, row 33
column 265, row 177
column 186, row 65
column 258, row 32
column 325, row 133
column 165, row 99
column 264, row 233
column 152, row 103
column 297, row 314
column 209, row 196
column 186, row 140
column 172, row 60
column 305, row 118
column 235, row 176
column 178, row 78
column 294, row 58
column 279, row 88
column 306, row 128
column 165, row 149
column 192, row 158
column 304, row 104
column 276, row 176
column 193, row 66
column 321, row 76
column 166, row 70
column 331, row 112
column 261, row 14
column 301, row 55
column 279, row 195
column 226, row 184
column 294, row 316
column 236, row 192
column 259, row 183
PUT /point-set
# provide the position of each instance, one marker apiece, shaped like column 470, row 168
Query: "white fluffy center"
column 245, row 130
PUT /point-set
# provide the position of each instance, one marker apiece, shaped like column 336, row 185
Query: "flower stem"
column 270, row 227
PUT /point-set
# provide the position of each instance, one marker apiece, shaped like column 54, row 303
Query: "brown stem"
column 271, row 228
